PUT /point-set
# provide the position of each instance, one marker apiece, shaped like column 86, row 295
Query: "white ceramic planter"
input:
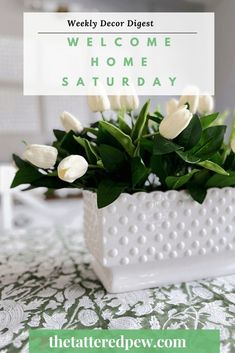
column 152, row 239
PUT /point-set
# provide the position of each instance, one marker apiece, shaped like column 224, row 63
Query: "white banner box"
column 86, row 53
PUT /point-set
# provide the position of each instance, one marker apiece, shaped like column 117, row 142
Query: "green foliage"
column 59, row 134
column 139, row 125
column 176, row 182
column 191, row 135
column 138, row 171
column 208, row 120
column 126, row 153
column 154, row 118
column 221, row 181
column 112, row 158
column 120, row 136
column 108, row 191
column 164, row 146
column 188, row 157
column 90, row 150
column 213, row 166
column 210, row 142
column 122, row 123
column 198, row 193
column 28, row 174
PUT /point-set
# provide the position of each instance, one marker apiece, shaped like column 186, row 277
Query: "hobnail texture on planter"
column 152, row 239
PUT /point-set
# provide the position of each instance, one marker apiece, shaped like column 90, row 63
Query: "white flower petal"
column 72, row 168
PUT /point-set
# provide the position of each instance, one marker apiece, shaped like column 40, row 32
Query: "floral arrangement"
column 135, row 152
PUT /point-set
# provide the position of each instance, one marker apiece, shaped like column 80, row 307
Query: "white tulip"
column 171, row 106
column 72, row 168
column 191, row 97
column 206, row 104
column 41, row 156
column 69, row 122
column 130, row 102
column 172, row 125
column 233, row 145
column 98, row 103
column 115, row 102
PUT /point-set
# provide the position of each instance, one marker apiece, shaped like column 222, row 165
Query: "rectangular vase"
column 153, row 239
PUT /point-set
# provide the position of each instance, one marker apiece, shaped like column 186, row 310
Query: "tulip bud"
column 206, row 104
column 233, row 145
column 130, row 102
column 41, row 156
column 115, row 102
column 69, row 122
column 172, row 125
column 72, row 168
column 192, row 98
column 98, row 103
column 171, row 106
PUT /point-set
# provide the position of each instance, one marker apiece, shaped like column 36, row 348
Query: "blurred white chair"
column 32, row 119
column 8, row 195
column 6, row 176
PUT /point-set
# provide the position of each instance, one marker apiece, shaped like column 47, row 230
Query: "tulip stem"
column 232, row 135
column 149, row 135
column 94, row 166
column 102, row 114
column 132, row 118
column 52, row 174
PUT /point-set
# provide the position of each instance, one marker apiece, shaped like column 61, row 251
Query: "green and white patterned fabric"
column 46, row 282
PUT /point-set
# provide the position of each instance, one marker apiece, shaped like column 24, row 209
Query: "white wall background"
column 32, row 118
column 225, row 53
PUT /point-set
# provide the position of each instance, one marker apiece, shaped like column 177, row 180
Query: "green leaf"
column 26, row 175
column 161, row 166
column 221, row 118
column 108, row 191
column 50, row 182
column 146, row 145
column 100, row 163
column 137, row 150
column 213, row 166
column 209, row 143
column 157, row 113
column 197, row 193
column 154, row 118
column 91, row 130
column 230, row 161
column 176, row 182
column 140, row 122
column 200, row 179
column 104, row 137
column 91, row 154
column 80, row 140
column 221, row 181
column 232, row 134
column 120, row 136
column 59, row 134
column 164, row 146
column 218, row 159
column 138, row 171
column 187, row 157
column 191, row 135
column 112, row 158
column 207, row 120
column 20, row 163
column 69, row 145
column 122, row 123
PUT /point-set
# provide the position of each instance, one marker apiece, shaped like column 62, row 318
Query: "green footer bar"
column 134, row 341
